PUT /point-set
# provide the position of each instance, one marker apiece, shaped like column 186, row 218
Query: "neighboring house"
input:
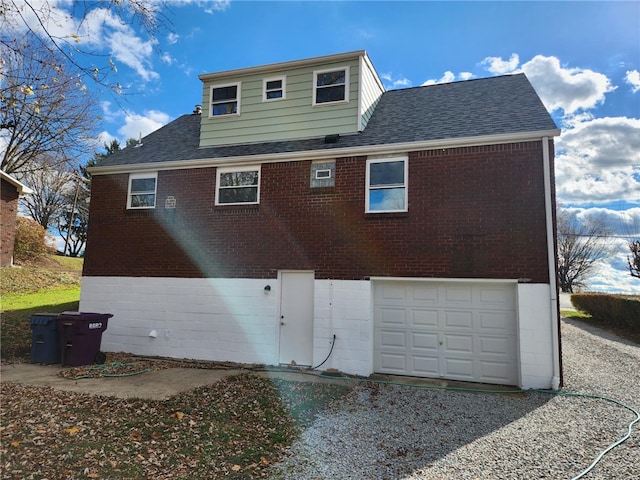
column 10, row 190
column 303, row 212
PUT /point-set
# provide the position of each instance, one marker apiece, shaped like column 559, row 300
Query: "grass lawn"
column 51, row 285
column 235, row 428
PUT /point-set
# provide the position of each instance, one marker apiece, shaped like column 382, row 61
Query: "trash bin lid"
column 43, row 318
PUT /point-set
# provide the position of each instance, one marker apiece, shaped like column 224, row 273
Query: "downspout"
column 555, row 325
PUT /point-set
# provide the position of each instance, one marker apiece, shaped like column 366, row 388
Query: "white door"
column 453, row 330
column 296, row 317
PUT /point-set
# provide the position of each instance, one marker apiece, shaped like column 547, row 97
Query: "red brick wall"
column 473, row 213
column 8, row 215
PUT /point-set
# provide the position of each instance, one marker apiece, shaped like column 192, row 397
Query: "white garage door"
column 458, row 331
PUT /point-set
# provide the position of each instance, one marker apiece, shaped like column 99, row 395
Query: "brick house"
column 304, row 215
column 10, row 192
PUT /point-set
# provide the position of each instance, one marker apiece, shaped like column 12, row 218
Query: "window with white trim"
column 238, row 185
column 225, row 100
column 331, row 86
column 142, row 190
column 386, row 187
column 273, row 89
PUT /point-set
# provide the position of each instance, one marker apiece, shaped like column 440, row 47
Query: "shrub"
column 616, row 310
column 31, row 241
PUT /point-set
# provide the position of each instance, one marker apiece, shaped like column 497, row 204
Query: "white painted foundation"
column 235, row 320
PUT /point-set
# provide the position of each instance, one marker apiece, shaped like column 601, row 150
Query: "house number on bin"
column 95, row 325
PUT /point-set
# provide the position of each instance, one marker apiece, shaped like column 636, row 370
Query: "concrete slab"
column 152, row 385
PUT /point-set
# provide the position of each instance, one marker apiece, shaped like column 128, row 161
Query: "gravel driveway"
column 403, row 432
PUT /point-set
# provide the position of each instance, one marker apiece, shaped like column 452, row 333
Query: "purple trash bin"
column 80, row 337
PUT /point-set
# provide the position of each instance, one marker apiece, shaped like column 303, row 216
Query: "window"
column 330, row 86
column 225, row 100
column 142, row 190
column 387, row 185
column 238, row 185
column 274, row 89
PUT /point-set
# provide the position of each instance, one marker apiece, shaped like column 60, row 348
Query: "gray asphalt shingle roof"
column 481, row 107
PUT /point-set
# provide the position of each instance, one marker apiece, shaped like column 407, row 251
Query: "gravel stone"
column 385, row 431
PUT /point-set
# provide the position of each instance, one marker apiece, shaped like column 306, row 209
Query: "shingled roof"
column 504, row 105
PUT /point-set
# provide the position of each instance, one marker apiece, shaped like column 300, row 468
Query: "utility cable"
column 333, row 342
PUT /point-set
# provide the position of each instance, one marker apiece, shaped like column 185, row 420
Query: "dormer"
column 316, row 97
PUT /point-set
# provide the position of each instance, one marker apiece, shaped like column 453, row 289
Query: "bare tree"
column 44, row 110
column 634, row 259
column 580, row 246
column 50, row 185
column 67, row 37
column 73, row 224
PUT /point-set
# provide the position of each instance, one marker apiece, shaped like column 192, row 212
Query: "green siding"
column 290, row 118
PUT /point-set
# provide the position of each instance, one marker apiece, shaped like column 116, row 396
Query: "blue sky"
column 583, row 58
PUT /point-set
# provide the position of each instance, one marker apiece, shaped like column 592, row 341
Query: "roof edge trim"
column 392, row 148
column 339, row 57
column 21, row 187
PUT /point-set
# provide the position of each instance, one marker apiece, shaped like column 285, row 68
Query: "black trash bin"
column 45, row 338
column 80, row 337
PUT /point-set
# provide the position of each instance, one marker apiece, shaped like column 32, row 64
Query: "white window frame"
column 135, row 176
column 238, row 86
column 247, row 168
column 347, row 81
column 283, row 88
column 404, row 185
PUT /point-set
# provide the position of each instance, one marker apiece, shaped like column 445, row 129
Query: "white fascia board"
column 340, row 57
column 368, row 62
column 21, row 187
column 386, row 149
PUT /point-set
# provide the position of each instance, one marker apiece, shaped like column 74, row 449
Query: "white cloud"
column 623, row 223
column 598, row 160
column 105, row 138
column 133, row 52
column 166, row 58
column 391, row 82
column 568, row 89
column 402, row 82
column 173, row 38
column 607, row 142
column 134, row 124
column 633, row 78
column 216, row 6
column 611, row 273
column 498, row 66
column 448, row 77
column 137, row 125
column 209, row 6
column 98, row 31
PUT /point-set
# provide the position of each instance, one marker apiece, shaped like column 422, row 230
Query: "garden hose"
column 546, row 392
column 111, row 365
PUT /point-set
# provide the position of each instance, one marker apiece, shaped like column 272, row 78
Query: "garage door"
column 457, row 331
